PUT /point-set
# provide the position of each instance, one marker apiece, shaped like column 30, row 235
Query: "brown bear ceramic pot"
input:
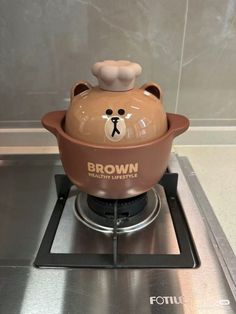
column 115, row 139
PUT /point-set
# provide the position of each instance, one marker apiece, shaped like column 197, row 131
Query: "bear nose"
column 115, row 119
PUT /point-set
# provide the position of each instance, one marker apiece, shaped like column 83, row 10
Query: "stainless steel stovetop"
column 27, row 198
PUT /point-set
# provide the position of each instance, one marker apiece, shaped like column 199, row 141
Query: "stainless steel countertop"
column 215, row 167
column 27, row 198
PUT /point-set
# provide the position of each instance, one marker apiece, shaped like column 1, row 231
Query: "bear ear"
column 153, row 89
column 79, row 88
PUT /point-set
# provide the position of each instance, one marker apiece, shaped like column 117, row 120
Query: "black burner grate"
column 186, row 259
column 125, row 207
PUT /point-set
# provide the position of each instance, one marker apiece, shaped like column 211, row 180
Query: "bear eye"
column 109, row 112
column 121, row 112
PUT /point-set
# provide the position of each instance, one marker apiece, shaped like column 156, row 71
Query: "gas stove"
column 146, row 231
column 63, row 251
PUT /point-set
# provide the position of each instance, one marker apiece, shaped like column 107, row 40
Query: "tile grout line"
column 181, row 57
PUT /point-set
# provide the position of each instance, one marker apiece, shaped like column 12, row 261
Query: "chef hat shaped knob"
column 116, row 75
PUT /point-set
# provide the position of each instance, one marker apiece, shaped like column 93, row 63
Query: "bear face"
column 120, row 118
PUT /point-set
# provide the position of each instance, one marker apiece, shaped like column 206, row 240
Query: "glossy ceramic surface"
column 114, row 172
column 116, row 118
column 113, row 134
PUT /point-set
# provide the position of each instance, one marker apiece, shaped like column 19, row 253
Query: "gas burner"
column 132, row 214
column 125, row 207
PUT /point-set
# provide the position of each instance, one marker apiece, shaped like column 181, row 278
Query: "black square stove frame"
column 187, row 258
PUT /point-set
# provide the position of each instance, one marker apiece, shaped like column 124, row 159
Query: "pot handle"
column 52, row 121
column 178, row 123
